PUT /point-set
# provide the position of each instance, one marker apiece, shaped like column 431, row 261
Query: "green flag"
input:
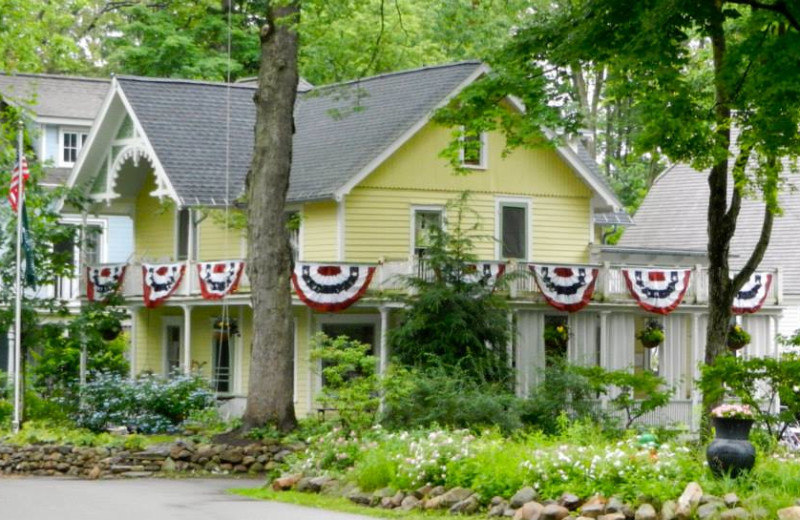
column 27, row 247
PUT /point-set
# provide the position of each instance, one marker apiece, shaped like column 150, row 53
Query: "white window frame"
column 83, row 135
column 91, row 222
column 171, row 321
column 525, row 202
column 354, row 319
column 483, row 137
column 193, row 245
column 415, row 208
column 300, row 232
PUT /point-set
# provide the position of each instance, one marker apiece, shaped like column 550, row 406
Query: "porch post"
column 133, row 349
column 238, row 356
column 384, row 347
column 697, row 356
column 604, row 353
column 187, row 339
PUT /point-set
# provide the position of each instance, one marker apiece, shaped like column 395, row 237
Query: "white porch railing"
column 392, row 275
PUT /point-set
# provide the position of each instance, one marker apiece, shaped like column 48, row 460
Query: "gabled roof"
column 343, row 133
column 674, row 214
column 53, row 96
column 340, row 128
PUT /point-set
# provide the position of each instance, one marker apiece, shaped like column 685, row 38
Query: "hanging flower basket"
column 556, row 336
column 109, row 330
column 652, row 335
column 738, row 337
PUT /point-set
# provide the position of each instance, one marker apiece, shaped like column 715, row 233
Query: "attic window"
column 70, row 143
column 473, row 149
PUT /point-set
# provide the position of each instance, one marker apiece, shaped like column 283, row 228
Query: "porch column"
column 384, row 346
column 697, row 356
column 187, row 339
column 604, row 353
column 132, row 351
column 238, row 356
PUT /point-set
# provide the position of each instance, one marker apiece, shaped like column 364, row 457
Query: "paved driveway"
column 147, row 499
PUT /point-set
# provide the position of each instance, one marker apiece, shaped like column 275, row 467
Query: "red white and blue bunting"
column 565, row 288
column 657, row 290
column 486, row 274
column 753, row 294
column 218, row 279
column 103, row 281
column 160, row 281
column 330, row 288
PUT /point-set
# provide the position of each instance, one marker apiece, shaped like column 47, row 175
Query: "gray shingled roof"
column 55, row 96
column 674, row 215
column 340, row 128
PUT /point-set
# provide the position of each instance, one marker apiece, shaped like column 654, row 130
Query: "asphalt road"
column 147, row 499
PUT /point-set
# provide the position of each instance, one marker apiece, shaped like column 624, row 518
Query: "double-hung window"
column 187, row 235
column 426, row 221
column 71, row 141
column 513, row 233
column 473, row 149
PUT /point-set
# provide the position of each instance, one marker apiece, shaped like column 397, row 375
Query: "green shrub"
column 6, row 413
column 450, row 398
column 147, row 404
column 350, row 382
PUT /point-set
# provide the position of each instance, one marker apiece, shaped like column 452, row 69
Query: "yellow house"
column 367, row 180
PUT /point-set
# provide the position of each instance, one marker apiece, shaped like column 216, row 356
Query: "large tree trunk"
column 270, row 391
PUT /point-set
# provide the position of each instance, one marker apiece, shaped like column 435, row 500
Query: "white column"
column 187, row 339
column 133, row 350
column 696, row 356
column 238, row 356
column 384, row 342
column 604, row 353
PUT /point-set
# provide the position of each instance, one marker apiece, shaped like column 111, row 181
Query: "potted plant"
column 652, row 335
column 737, row 337
column 731, row 453
column 556, row 336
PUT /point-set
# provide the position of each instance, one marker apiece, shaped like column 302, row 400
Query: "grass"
column 340, row 504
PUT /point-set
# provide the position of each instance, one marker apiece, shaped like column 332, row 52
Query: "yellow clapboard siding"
column 320, row 231
column 218, row 243
column 154, row 225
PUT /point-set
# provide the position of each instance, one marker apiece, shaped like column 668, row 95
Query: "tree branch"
column 779, row 7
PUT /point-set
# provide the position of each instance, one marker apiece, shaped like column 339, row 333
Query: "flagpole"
column 18, row 306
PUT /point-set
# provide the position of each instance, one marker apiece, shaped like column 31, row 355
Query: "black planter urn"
column 731, row 453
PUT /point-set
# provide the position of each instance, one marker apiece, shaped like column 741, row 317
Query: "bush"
column 450, row 398
column 6, row 413
column 147, row 404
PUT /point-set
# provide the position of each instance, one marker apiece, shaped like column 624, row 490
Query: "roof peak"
column 252, row 86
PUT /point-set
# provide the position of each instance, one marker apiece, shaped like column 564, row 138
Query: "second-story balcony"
column 391, row 278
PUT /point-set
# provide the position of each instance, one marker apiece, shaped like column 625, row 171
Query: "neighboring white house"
column 61, row 110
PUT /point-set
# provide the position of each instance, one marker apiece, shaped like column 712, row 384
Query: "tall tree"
column 271, row 366
column 712, row 83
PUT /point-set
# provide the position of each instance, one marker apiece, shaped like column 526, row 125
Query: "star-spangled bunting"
column 753, row 294
column 160, row 281
column 103, row 281
column 657, row 290
column 331, row 288
column 218, row 279
column 565, row 288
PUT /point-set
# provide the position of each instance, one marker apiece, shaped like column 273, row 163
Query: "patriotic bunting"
column 487, row 274
column 753, row 293
column 219, row 278
column 657, row 290
column 160, row 281
column 102, row 281
column 331, row 288
column 565, row 288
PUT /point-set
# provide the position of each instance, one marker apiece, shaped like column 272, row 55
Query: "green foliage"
column 6, row 413
column 737, row 337
column 147, row 404
column 454, row 321
column 452, row 398
column 350, row 382
column 652, row 334
column 57, row 356
column 759, row 383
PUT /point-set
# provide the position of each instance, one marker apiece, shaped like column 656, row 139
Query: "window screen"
column 514, row 231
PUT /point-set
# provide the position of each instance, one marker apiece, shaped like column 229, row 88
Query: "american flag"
column 13, row 192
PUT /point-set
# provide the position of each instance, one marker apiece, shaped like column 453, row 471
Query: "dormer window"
column 71, row 140
column 186, row 236
column 473, row 149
